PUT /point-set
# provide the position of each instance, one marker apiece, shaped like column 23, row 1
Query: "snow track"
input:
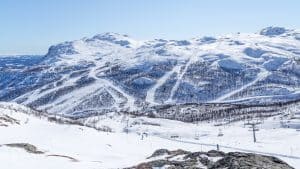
column 150, row 98
column 180, row 78
column 130, row 100
column 260, row 76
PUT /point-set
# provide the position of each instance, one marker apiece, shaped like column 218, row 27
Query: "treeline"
column 221, row 111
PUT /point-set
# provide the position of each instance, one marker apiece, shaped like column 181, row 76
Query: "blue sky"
column 31, row 26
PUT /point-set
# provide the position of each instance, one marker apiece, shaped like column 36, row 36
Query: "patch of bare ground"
column 33, row 149
column 5, row 120
column 26, row 146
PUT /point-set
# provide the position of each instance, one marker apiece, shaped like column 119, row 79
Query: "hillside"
column 113, row 72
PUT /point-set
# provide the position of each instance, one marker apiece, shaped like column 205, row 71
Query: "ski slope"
column 73, row 146
column 260, row 76
column 150, row 97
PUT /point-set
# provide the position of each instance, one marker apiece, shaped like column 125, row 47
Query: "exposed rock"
column 6, row 120
column 28, row 147
column 214, row 153
column 161, row 152
column 181, row 159
column 237, row 160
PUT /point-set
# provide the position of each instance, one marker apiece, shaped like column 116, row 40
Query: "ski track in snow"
column 191, row 58
column 179, row 80
column 150, row 98
column 130, row 99
column 260, row 76
column 72, row 98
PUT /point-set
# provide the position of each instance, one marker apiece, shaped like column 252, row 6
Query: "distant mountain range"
column 113, row 72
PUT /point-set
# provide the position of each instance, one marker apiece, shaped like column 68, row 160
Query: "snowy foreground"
column 73, row 146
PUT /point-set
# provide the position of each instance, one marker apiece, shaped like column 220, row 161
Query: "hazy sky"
column 31, row 26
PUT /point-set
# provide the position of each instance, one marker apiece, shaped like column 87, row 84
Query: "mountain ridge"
column 113, row 72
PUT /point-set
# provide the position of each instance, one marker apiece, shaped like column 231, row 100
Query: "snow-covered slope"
column 67, row 146
column 113, row 72
column 34, row 142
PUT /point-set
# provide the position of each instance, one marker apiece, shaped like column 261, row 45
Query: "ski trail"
column 150, row 98
column 106, row 84
column 260, row 76
column 179, row 80
column 86, row 92
column 192, row 58
column 130, row 99
column 72, row 99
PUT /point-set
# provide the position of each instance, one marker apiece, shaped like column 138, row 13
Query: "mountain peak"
column 110, row 35
column 116, row 38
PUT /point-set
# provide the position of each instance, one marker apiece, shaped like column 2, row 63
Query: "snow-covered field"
column 96, row 149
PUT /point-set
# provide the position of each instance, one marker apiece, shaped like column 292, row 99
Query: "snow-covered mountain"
column 115, row 72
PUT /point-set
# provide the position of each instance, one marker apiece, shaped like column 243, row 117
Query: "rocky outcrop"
column 237, row 160
column 181, row 159
column 6, row 120
column 27, row 147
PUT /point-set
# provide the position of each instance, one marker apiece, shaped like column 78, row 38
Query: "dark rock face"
column 180, row 159
column 160, row 152
column 237, row 160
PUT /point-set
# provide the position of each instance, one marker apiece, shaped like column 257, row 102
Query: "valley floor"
column 72, row 146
